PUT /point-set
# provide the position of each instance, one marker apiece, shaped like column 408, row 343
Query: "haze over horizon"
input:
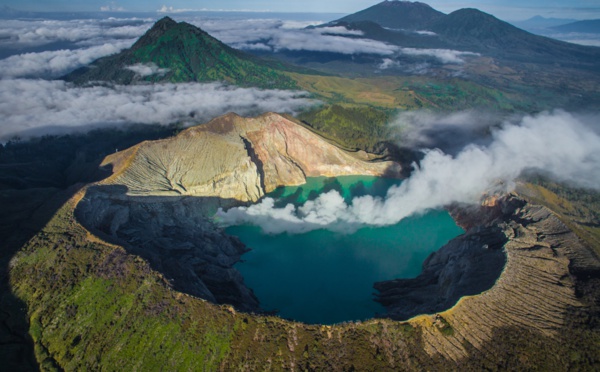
column 510, row 10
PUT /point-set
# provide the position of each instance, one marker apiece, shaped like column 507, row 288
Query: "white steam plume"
column 558, row 144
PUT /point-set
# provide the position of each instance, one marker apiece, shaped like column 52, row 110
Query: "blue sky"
column 507, row 9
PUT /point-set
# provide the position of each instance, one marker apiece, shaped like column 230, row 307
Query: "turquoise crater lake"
column 325, row 277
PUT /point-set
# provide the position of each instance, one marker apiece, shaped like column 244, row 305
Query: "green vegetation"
column 102, row 308
column 93, row 306
column 358, row 111
column 443, row 326
column 354, row 128
column 415, row 92
column 36, row 178
column 188, row 54
column 90, row 305
column 459, row 94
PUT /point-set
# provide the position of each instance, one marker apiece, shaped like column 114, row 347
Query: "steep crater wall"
column 176, row 237
column 546, row 281
column 161, row 198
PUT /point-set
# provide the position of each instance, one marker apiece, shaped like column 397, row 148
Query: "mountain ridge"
column 478, row 31
column 586, row 26
column 472, row 30
column 396, row 14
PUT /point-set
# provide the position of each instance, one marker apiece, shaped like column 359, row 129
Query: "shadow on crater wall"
column 174, row 235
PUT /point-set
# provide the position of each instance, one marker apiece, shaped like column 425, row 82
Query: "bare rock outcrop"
column 232, row 157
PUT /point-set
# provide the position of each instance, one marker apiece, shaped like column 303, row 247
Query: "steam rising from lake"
column 558, row 144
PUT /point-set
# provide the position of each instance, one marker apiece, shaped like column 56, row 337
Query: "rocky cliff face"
column 236, row 158
column 159, row 202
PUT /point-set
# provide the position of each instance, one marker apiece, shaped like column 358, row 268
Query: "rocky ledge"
column 546, row 267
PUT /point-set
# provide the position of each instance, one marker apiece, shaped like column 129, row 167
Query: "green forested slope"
column 181, row 52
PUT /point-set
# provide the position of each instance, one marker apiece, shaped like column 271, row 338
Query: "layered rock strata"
column 238, row 158
column 535, row 291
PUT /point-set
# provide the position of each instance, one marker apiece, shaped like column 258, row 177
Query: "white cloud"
column 588, row 42
column 443, row 55
column 421, row 68
column 249, row 34
column 388, row 63
column 558, row 144
column 578, row 38
column 319, row 42
column 19, row 34
column 147, row 69
column 37, row 107
column 340, row 30
column 112, row 7
column 289, row 35
column 280, row 35
column 170, row 9
column 53, row 64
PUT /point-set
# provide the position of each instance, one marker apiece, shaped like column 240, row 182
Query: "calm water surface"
column 327, row 277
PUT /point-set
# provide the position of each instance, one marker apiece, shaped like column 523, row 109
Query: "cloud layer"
column 37, row 107
column 443, row 55
column 276, row 35
column 557, row 144
column 20, row 34
column 53, row 64
column 40, row 48
column 147, row 69
column 52, row 48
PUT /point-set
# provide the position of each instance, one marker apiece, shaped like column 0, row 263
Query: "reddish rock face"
column 289, row 153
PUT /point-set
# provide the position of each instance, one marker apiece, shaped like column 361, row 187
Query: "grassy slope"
column 195, row 56
column 357, row 110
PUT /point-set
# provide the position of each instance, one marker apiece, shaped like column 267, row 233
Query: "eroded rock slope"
column 537, row 290
column 232, row 157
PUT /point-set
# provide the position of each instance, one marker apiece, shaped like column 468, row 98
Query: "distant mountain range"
column 181, row 52
column 465, row 30
column 539, row 22
column 591, row 26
